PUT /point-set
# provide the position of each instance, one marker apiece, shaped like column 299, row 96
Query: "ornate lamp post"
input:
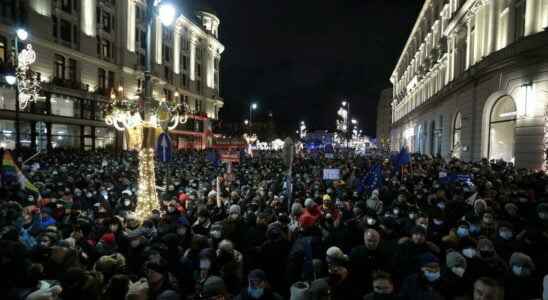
column 147, row 114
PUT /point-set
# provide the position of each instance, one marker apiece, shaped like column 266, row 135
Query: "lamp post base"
column 147, row 197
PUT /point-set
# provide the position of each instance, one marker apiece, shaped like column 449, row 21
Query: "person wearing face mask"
column 490, row 264
column 409, row 249
column 456, row 235
column 337, row 284
column 426, row 284
column 233, row 226
column 202, row 223
column 521, row 283
column 456, row 282
column 258, row 288
column 383, row 287
column 367, row 258
column 505, row 242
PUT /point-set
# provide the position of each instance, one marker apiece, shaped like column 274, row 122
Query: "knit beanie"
column 455, row 259
column 522, row 259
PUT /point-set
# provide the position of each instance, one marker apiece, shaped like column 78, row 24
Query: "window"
column 101, row 79
column 55, row 25
column 143, row 40
column 168, row 75
column 105, row 48
column 198, row 70
column 106, row 21
column 110, row 80
column 168, row 94
column 65, row 31
column 457, row 128
column 502, row 122
column 72, row 70
column 7, row 134
column 7, row 99
column 104, row 137
column 184, row 80
column 198, row 85
column 198, row 53
column 65, row 136
column 185, row 62
column 166, row 53
column 65, row 106
column 76, row 34
column 59, row 66
column 99, row 110
column 66, row 5
column 7, row 9
column 3, row 50
column 87, row 111
column 519, row 21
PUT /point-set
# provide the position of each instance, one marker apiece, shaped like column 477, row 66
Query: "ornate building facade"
column 472, row 81
column 88, row 48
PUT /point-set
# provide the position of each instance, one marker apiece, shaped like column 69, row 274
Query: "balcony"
column 69, row 84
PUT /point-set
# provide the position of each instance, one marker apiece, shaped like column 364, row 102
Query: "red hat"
column 108, row 239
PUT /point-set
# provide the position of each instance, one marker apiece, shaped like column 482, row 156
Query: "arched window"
column 457, row 127
column 502, row 122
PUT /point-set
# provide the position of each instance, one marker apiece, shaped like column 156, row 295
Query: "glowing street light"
column 246, row 122
column 354, row 121
column 253, row 106
column 167, row 12
column 10, row 79
column 22, row 34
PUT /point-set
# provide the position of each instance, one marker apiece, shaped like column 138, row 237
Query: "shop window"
column 7, row 134
column 104, row 137
column 65, row 136
column 65, row 106
column 502, row 124
column 457, row 129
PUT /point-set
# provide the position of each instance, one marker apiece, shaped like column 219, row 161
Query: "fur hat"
column 455, row 259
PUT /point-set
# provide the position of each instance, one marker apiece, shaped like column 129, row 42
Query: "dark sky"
column 299, row 58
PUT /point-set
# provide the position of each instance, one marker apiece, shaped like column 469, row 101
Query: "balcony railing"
column 69, row 84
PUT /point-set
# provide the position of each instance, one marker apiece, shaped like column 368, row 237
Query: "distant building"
column 87, row 48
column 472, row 81
column 384, row 116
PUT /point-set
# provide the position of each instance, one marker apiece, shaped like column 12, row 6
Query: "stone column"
column 531, row 17
column 158, row 41
column 493, row 24
column 469, row 50
column 176, row 50
column 130, row 30
column 193, row 44
column 88, row 15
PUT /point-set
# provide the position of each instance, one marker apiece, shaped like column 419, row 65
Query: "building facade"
column 88, row 48
column 384, row 116
column 472, row 81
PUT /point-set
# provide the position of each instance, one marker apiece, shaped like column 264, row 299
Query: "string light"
column 147, row 199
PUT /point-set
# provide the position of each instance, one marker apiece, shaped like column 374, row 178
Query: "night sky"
column 299, row 58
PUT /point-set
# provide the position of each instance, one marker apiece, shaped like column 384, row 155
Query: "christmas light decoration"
column 147, row 198
column 28, row 83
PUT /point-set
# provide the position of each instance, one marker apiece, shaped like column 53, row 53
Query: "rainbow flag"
column 9, row 168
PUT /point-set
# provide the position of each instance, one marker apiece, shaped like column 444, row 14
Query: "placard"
column 331, row 174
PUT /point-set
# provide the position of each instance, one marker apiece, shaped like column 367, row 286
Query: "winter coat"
column 415, row 287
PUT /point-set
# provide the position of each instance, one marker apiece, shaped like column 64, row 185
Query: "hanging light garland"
column 28, row 83
column 146, row 193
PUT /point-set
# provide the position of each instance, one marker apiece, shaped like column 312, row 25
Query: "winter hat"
column 213, row 286
column 234, row 209
column 428, row 258
column 300, row 291
column 455, row 259
column 418, row 230
column 257, row 274
column 326, row 197
column 110, row 264
column 522, row 259
column 168, row 295
column 485, row 245
column 309, row 203
column 158, row 265
column 336, row 256
column 296, row 209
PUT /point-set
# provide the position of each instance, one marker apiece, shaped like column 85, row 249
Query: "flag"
column 372, row 180
column 9, row 168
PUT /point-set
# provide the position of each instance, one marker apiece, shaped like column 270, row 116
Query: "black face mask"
column 487, row 254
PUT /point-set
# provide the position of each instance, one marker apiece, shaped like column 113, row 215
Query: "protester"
column 410, row 226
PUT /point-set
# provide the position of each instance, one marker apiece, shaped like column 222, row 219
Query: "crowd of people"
column 432, row 229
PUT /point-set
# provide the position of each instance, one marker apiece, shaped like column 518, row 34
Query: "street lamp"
column 246, row 122
column 148, row 114
column 11, row 79
column 253, row 106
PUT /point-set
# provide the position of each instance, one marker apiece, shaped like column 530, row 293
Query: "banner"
column 331, row 174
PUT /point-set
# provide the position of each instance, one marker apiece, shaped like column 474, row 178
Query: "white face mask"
column 205, row 264
column 469, row 252
column 134, row 243
column 459, row 271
